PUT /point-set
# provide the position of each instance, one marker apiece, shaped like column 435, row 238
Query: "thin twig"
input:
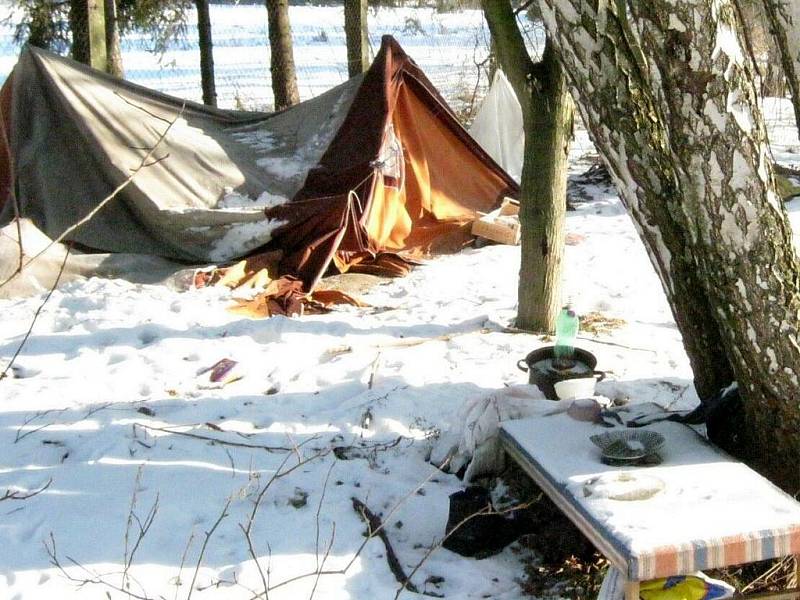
column 36, row 314
column 360, row 549
column 126, row 540
column 94, row 578
column 143, row 529
column 325, row 557
column 142, row 108
column 247, row 529
column 487, row 510
column 214, row 439
column 209, row 533
column 316, row 541
column 233, row 464
column 9, row 495
column 143, row 164
column 183, row 562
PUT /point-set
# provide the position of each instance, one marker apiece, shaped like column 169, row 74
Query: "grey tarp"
column 76, row 134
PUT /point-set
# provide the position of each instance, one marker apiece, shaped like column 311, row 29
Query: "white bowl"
column 576, row 388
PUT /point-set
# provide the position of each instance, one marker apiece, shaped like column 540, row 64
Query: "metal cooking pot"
column 540, row 373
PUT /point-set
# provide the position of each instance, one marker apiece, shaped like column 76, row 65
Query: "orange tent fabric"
column 402, row 176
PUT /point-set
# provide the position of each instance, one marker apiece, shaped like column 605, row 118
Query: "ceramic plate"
column 628, row 444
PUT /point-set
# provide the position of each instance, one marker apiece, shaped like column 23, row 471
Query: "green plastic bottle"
column 567, row 325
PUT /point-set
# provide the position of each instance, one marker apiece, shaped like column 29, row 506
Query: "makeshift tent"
column 376, row 165
column 498, row 126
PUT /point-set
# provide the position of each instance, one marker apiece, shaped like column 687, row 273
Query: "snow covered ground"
column 111, row 416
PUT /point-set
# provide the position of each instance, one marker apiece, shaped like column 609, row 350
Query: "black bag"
column 484, row 534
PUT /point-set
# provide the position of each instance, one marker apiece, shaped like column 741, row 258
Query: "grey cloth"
column 76, row 134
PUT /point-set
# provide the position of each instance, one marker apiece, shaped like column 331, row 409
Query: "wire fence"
column 451, row 47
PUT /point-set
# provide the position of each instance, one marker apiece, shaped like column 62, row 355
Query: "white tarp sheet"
column 498, row 126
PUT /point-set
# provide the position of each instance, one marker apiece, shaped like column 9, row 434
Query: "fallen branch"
column 214, row 440
column 21, row 436
column 376, row 528
column 359, row 550
column 9, row 495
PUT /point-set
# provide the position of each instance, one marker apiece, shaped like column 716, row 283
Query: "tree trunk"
column 114, row 52
column 784, row 20
column 284, row 80
column 78, row 25
column 355, row 31
column 547, row 111
column 206, row 53
column 672, row 107
column 87, row 23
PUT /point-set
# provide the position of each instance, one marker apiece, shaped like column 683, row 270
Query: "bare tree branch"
column 333, row 533
column 36, row 314
column 215, row 440
column 143, row 164
column 209, row 533
column 9, row 495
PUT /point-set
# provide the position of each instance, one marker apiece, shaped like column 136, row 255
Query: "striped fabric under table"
column 712, row 512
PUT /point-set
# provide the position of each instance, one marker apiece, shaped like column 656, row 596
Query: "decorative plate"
column 628, row 444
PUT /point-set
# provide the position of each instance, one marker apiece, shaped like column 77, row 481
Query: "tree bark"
column 206, row 53
column 667, row 92
column 113, row 50
column 284, row 79
column 78, row 25
column 784, row 20
column 87, row 23
column 356, row 35
column 547, row 111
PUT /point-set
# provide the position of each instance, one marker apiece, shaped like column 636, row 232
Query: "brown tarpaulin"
column 375, row 167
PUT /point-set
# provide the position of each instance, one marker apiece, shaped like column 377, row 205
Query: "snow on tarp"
column 498, row 126
column 50, row 264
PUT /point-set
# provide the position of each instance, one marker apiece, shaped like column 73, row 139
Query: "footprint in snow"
column 115, row 358
column 148, row 337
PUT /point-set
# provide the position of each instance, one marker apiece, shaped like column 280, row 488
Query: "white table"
column 713, row 511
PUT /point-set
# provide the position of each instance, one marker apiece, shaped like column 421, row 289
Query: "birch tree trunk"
column 281, row 62
column 666, row 90
column 547, row 112
column 206, row 53
column 784, row 20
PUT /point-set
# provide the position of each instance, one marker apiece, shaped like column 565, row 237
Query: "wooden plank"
column 793, row 594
